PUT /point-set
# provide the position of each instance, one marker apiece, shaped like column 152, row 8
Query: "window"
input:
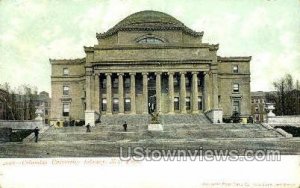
column 200, row 103
column 235, row 69
column 127, row 104
column 65, row 71
column 66, row 90
column 236, row 88
column 236, row 106
column 256, row 108
column 115, row 105
column 115, row 83
column 188, row 103
column 103, row 106
column 176, row 103
column 127, row 82
column 187, row 82
column 66, row 109
column 176, row 80
column 103, row 84
column 150, row 40
column 46, row 112
column 252, row 100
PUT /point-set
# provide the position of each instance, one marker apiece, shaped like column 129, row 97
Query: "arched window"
column 150, row 40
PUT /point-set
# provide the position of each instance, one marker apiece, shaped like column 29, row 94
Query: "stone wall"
column 30, row 124
column 5, row 134
column 281, row 120
column 215, row 115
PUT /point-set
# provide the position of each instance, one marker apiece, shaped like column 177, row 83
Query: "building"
column 258, row 106
column 44, row 104
column 150, row 62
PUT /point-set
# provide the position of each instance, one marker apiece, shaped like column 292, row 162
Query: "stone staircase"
column 134, row 119
column 190, row 119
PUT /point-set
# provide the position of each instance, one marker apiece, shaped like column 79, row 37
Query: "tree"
column 286, row 96
column 22, row 104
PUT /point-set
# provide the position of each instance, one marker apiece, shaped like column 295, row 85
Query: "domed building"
column 150, row 63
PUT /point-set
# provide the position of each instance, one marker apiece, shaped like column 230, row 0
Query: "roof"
column 149, row 20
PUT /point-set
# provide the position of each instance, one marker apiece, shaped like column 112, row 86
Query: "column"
column 92, row 92
column 121, row 93
column 97, row 93
column 182, row 102
column 195, row 92
column 206, row 91
column 88, row 93
column 145, row 92
column 108, row 94
column 132, row 93
column 171, row 92
column 158, row 91
column 215, row 91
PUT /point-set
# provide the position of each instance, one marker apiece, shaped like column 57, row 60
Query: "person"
column 36, row 134
column 125, row 126
column 88, row 128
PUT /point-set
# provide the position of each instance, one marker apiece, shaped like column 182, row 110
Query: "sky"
column 32, row 31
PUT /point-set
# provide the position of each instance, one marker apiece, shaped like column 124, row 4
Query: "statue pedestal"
column 155, row 127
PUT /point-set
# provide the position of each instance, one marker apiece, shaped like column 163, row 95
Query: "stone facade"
column 150, row 62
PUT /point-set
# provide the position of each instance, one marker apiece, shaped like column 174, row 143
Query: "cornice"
column 67, row 61
column 235, row 59
column 184, row 29
column 154, row 46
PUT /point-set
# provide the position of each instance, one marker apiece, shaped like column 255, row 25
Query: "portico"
column 157, row 91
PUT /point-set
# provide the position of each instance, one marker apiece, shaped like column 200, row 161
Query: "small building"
column 258, row 106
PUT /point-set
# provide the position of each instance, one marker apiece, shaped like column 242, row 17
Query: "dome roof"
column 149, row 20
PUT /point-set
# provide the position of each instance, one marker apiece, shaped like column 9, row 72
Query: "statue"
column 154, row 118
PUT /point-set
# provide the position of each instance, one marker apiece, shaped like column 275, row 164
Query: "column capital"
column 132, row 73
column 120, row 73
column 158, row 73
column 144, row 73
column 194, row 72
column 108, row 74
column 182, row 72
column 171, row 73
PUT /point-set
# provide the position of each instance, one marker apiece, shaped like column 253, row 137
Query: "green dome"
column 149, row 17
column 149, row 20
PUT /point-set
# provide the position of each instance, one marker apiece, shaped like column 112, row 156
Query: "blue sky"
column 33, row 31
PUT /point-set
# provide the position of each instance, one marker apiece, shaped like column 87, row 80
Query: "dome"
column 149, row 17
column 149, row 20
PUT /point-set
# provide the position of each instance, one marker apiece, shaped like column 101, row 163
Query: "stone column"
column 206, row 92
column 93, row 92
column 171, row 92
column 132, row 92
column 88, row 99
column 121, row 93
column 215, row 91
column 182, row 102
column 195, row 92
column 158, row 91
column 108, row 94
column 145, row 92
column 97, row 93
